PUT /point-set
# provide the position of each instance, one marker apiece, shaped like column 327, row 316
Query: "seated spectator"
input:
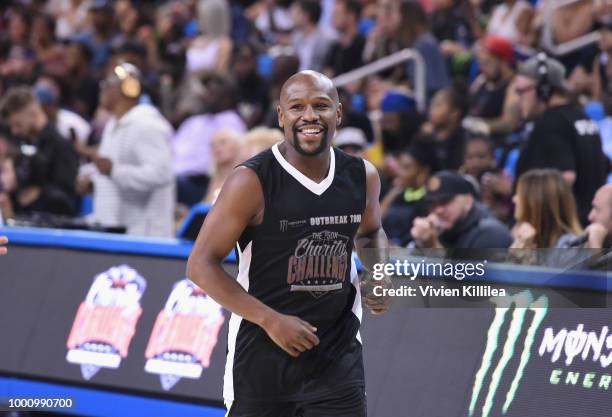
column 226, row 150
column 83, row 88
column 192, row 141
column 258, row 140
column 352, row 117
column 211, row 50
column 405, row 200
column 404, row 24
column 493, row 106
column 133, row 186
column 99, row 39
column 49, row 52
column 346, row 54
column 544, row 210
column 562, row 137
column 443, row 127
column 599, row 230
column 456, row 219
column 512, row 20
column 252, row 88
column 68, row 123
column 47, row 164
column 352, row 141
column 454, row 24
column 495, row 184
column 400, row 121
column 310, row 42
column 602, row 66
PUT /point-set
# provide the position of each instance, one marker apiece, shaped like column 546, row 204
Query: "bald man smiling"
column 294, row 213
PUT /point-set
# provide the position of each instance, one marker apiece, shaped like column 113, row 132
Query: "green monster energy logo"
column 503, row 306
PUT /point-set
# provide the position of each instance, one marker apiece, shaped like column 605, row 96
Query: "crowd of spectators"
column 145, row 106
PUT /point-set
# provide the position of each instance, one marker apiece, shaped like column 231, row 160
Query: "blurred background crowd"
column 124, row 114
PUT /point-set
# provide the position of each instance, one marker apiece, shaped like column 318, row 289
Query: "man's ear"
column 281, row 118
column 339, row 114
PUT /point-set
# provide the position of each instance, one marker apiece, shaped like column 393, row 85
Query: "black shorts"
column 347, row 402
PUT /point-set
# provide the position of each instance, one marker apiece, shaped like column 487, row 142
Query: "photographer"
column 46, row 164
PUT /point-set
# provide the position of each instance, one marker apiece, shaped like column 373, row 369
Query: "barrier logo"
column 184, row 335
column 510, row 345
column 106, row 321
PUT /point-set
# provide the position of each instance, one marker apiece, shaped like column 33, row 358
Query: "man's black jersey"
column 298, row 261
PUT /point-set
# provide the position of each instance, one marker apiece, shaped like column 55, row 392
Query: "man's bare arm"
column 3, row 241
column 371, row 242
column 239, row 204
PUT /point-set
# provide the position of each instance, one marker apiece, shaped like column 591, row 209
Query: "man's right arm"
column 239, row 204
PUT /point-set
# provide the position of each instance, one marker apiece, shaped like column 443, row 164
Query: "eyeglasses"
column 520, row 91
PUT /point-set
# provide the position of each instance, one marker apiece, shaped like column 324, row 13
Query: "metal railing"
column 420, row 91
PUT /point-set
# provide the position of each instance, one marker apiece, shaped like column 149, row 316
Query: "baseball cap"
column 445, row 185
column 500, row 48
column 555, row 71
column 350, row 136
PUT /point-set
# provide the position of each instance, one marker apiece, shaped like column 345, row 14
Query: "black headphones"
column 128, row 74
column 544, row 88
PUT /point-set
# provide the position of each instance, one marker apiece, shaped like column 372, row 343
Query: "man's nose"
column 310, row 114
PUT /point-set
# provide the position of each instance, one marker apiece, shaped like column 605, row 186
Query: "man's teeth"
column 310, row 131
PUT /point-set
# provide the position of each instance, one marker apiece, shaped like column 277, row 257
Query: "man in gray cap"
column 560, row 135
column 456, row 219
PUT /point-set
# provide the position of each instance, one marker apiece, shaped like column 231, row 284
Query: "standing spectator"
column 310, row 42
column 134, row 186
column 406, row 198
column 545, row 211
column 443, row 127
column 346, row 54
column 70, row 15
column 47, row 166
column 562, row 136
column 493, row 104
column 192, row 142
column 456, row 219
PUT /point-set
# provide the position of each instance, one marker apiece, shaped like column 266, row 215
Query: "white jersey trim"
column 357, row 308
column 316, row 188
column 244, row 264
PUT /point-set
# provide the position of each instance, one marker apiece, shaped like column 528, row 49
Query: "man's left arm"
column 371, row 242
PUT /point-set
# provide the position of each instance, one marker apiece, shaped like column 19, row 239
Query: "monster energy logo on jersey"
column 503, row 306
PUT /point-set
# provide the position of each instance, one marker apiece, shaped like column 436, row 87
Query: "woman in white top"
column 212, row 49
column 511, row 20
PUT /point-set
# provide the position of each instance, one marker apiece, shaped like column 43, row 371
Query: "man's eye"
column 321, row 106
column 297, row 107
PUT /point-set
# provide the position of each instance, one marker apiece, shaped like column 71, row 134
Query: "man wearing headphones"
column 559, row 134
column 133, row 181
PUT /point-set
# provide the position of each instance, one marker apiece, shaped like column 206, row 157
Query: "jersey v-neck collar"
column 314, row 187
